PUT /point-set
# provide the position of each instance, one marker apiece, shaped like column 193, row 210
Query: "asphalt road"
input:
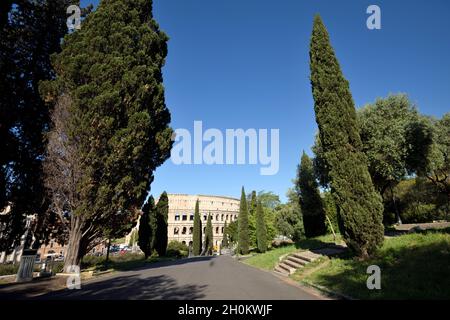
column 221, row 278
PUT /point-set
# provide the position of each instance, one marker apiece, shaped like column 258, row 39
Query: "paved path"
column 199, row 278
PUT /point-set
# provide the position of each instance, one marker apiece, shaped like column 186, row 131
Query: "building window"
column 177, row 217
column 184, row 230
column 176, row 230
column 205, row 217
column 222, row 217
column 191, row 217
column 191, row 230
column 217, row 230
column 226, row 218
column 184, row 218
column 204, row 230
column 222, row 230
column 217, row 217
column 183, row 242
column 190, row 243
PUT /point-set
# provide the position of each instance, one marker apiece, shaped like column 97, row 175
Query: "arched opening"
column 217, row 230
column 191, row 230
column 184, row 230
column 176, row 230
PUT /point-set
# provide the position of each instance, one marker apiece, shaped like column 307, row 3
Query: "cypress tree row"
column 360, row 208
column 145, row 233
column 309, row 199
column 243, row 234
column 197, row 232
column 209, row 237
column 261, row 230
column 162, row 212
column 252, row 220
column 225, row 236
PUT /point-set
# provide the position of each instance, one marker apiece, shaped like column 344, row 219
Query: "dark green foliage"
column 209, row 242
column 145, row 233
column 232, row 231
column 30, row 31
column 111, row 69
column 252, row 219
column 225, row 242
column 261, row 231
column 243, row 234
column 309, row 199
column 197, row 232
column 162, row 212
column 177, row 249
column 360, row 208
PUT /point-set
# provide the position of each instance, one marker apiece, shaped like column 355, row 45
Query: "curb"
column 327, row 291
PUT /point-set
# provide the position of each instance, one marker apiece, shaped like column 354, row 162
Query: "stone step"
column 292, row 263
column 306, row 256
column 287, row 267
column 296, row 260
column 281, row 271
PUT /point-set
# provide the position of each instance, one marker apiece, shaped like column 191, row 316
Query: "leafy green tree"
column 197, row 232
column 145, row 233
column 261, row 231
column 309, row 199
column 436, row 165
column 360, row 206
column 111, row 70
column 162, row 212
column 232, row 231
column 30, row 31
column 209, row 241
column 225, row 243
column 269, row 199
column 243, row 234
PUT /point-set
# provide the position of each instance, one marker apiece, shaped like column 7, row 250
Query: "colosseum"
column 181, row 215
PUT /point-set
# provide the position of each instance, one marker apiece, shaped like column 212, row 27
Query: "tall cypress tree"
column 145, row 233
column 252, row 220
column 360, row 208
column 225, row 236
column 209, row 241
column 197, row 232
column 243, row 234
column 309, row 198
column 112, row 70
column 30, row 31
column 162, row 212
column 261, row 230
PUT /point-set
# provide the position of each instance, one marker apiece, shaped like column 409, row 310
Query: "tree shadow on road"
column 130, row 287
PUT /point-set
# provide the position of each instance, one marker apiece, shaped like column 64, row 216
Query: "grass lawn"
column 414, row 266
column 269, row 259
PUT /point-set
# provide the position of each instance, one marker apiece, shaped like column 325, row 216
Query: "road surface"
column 221, row 278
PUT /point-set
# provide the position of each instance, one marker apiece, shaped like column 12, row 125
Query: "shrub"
column 177, row 249
column 7, row 269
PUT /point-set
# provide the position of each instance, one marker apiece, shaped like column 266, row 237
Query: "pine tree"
column 111, row 70
column 243, row 235
column 209, row 241
column 197, row 232
column 225, row 243
column 309, row 198
column 145, row 233
column 360, row 208
column 162, row 212
column 261, row 230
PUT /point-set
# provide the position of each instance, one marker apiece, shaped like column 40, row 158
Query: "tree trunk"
column 107, row 250
column 74, row 254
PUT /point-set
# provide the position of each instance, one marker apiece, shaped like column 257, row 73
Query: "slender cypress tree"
column 261, row 230
column 197, row 232
column 360, row 208
column 309, row 199
column 225, row 236
column 162, row 211
column 243, row 234
column 145, row 232
column 209, row 243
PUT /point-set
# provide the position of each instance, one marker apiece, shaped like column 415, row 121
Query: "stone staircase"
column 291, row 262
column 294, row 261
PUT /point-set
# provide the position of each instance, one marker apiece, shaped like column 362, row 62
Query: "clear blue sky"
column 244, row 64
